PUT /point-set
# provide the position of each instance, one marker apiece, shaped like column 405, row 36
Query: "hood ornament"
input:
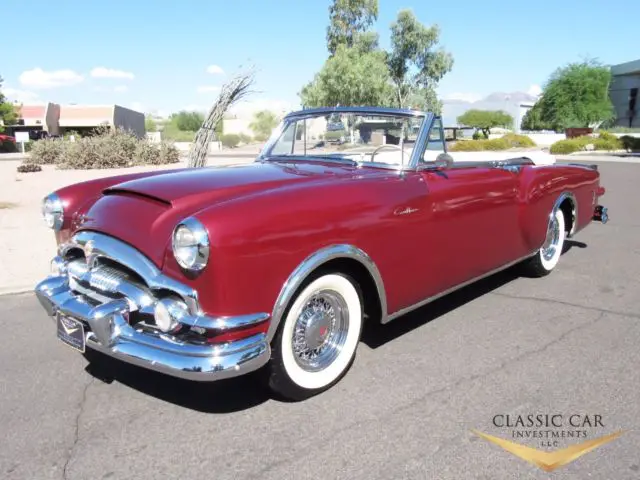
column 89, row 256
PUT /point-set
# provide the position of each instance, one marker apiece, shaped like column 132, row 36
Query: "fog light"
column 168, row 312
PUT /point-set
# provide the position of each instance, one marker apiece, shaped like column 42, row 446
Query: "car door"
column 470, row 217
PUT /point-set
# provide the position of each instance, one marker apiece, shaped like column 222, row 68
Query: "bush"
column 518, row 141
column 478, row 135
column 230, row 140
column 244, row 138
column 630, row 144
column 605, row 141
column 570, row 145
column 147, row 154
column 510, row 140
column 171, row 132
column 607, row 136
column 7, row 147
column 168, row 153
column 29, row 167
column 47, row 151
column 106, row 149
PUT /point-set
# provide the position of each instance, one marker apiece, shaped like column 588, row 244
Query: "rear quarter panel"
column 540, row 188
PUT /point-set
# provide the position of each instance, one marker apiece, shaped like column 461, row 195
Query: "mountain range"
column 510, row 102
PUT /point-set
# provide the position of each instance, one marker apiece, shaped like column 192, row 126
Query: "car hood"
column 143, row 212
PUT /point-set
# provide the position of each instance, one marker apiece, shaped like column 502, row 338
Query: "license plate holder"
column 70, row 332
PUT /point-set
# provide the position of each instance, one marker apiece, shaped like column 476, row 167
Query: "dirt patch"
column 7, row 205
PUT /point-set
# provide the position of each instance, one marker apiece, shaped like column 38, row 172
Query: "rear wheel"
column 546, row 259
column 316, row 342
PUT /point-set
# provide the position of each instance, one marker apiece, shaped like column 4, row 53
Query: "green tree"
column 352, row 78
column 348, row 20
column 150, row 124
column 484, row 120
column 187, row 121
column 263, row 124
column 8, row 113
column 576, row 95
column 532, row 120
column 415, row 66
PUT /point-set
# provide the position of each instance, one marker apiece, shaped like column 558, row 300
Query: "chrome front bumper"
column 107, row 327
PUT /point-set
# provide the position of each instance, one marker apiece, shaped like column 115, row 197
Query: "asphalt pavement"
column 565, row 344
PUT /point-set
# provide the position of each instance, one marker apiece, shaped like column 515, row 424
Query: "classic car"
column 274, row 266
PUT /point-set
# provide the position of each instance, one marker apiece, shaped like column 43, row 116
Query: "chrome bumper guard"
column 107, row 318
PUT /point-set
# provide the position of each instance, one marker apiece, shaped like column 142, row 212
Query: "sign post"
column 22, row 137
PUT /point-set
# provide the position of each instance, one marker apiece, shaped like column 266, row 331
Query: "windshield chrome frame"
column 414, row 159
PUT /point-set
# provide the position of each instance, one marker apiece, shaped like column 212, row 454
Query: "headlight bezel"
column 52, row 205
column 202, row 245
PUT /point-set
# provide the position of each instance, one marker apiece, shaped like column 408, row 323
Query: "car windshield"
column 387, row 138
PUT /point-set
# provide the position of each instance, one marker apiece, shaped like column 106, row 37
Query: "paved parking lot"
column 564, row 344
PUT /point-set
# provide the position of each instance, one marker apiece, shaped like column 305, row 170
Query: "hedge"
column 605, row 141
column 510, row 140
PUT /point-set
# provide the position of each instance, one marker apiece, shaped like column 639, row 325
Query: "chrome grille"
column 107, row 279
column 102, row 282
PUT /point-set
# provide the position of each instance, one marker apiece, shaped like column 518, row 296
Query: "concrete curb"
column 16, row 290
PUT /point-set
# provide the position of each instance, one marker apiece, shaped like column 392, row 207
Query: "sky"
column 164, row 56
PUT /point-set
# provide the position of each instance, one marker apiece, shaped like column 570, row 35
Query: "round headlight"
column 53, row 211
column 191, row 245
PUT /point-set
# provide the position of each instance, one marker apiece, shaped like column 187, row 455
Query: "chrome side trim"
column 422, row 303
column 312, row 262
column 574, row 211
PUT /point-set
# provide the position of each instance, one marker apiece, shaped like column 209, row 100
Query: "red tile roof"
column 32, row 111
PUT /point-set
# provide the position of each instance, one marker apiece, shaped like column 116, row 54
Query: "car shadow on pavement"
column 376, row 335
column 222, row 396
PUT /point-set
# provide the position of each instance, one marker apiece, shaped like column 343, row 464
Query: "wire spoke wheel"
column 320, row 330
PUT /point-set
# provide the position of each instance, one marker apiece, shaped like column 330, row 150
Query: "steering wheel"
column 391, row 145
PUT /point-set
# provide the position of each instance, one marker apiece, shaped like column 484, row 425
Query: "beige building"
column 58, row 119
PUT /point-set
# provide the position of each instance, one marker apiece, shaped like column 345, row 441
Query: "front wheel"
column 316, row 342
column 546, row 259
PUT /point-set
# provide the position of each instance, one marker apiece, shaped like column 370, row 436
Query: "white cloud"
column 535, row 90
column 20, row 96
column 102, row 72
column 208, row 88
column 38, row 78
column 120, row 88
column 215, row 70
column 465, row 97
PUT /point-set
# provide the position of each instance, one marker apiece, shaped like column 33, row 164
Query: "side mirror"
column 442, row 162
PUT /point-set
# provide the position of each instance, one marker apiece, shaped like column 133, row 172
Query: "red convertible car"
column 276, row 265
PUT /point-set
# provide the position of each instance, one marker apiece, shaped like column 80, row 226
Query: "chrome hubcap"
column 551, row 241
column 320, row 330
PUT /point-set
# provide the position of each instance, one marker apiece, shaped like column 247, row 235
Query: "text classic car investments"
column 275, row 265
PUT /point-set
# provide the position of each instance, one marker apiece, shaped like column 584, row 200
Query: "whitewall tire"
column 546, row 259
column 317, row 338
